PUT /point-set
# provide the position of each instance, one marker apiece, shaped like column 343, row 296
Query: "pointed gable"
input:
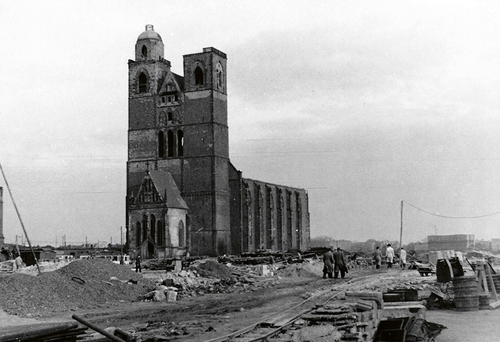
column 147, row 192
column 165, row 185
column 172, row 83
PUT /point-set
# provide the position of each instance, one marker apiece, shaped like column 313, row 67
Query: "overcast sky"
column 363, row 103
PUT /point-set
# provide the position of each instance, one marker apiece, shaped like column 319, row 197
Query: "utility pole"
column 121, row 245
column 401, row 232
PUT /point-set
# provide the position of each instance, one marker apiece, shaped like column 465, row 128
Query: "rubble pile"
column 309, row 268
column 82, row 284
column 211, row 269
column 156, row 264
column 209, row 276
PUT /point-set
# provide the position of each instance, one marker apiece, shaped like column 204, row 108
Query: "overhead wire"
column 452, row 217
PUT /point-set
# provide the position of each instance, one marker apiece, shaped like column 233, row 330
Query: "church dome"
column 149, row 34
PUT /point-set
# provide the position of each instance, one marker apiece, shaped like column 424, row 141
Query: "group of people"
column 389, row 254
column 334, row 263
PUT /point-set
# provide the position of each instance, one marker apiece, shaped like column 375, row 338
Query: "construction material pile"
column 82, row 284
column 209, row 276
column 212, row 269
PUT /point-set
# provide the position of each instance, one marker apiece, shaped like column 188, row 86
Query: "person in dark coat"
column 328, row 261
column 138, row 264
column 340, row 265
column 377, row 256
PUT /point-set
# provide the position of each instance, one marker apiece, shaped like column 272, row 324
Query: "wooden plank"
column 28, row 332
column 494, row 294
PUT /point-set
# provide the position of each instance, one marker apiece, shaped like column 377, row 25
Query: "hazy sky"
column 362, row 103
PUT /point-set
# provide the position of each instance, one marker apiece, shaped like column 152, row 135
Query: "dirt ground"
column 204, row 317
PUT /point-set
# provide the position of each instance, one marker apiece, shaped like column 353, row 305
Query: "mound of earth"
column 82, row 284
column 212, row 269
column 307, row 270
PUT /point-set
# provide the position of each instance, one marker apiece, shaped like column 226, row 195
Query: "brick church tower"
column 178, row 125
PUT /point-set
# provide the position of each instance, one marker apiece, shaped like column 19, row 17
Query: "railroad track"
column 273, row 326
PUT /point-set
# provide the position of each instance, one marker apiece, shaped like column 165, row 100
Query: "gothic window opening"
column 144, row 51
column 198, row 75
column 138, row 233
column 170, row 143
column 161, row 234
column 153, row 227
column 180, row 143
column 161, row 145
column 144, row 228
column 143, row 83
column 182, row 239
column 170, row 116
column 220, row 81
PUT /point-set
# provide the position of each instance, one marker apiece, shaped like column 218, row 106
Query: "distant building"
column 41, row 254
column 183, row 193
column 458, row 242
column 495, row 245
column 2, row 237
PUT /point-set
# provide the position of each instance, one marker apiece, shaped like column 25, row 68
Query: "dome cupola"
column 149, row 45
column 149, row 34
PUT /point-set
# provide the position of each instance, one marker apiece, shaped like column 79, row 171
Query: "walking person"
column 138, row 264
column 328, row 264
column 402, row 258
column 389, row 253
column 377, row 256
column 340, row 265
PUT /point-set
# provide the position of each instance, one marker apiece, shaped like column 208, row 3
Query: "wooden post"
column 96, row 328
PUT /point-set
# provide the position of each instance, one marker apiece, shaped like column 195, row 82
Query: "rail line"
column 275, row 323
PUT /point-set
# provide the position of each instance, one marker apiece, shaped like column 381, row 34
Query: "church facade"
column 183, row 193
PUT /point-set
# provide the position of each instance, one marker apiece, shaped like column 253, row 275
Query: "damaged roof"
column 165, row 185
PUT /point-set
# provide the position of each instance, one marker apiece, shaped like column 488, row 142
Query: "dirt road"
column 204, row 317
column 472, row 326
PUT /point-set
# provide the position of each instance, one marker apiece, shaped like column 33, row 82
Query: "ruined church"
column 184, row 196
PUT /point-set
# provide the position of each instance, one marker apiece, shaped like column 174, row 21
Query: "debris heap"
column 82, row 284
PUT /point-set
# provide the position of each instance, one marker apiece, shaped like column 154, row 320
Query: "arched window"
column 161, row 234
column 180, row 143
column 161, row 145
column 170, row 142
column 143, row 83
column 138, row 233
column 170, row 116
column 220, row 81
column 182, row 234
column 144, row 228
column 144, row 51
column 153, row 227
column 198, row 75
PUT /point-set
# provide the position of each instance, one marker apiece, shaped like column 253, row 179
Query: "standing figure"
column 402, row 258
column 338, row 257
column 377, row 256
column 138, row 264
column 328, row 261
column 389, row 255
column 19, row 261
